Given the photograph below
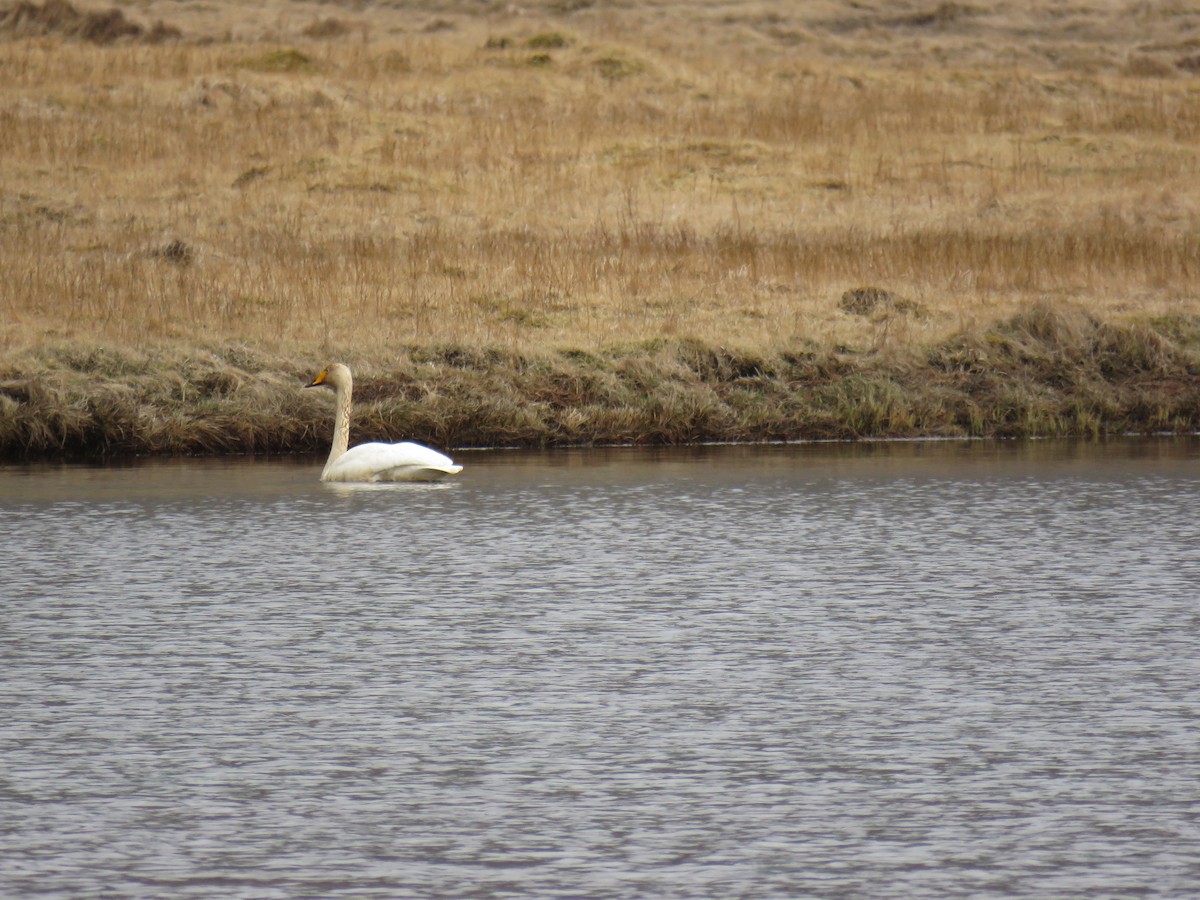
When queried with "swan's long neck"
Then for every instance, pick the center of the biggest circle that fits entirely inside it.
(341, 425)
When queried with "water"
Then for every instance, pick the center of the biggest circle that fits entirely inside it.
(889, 670)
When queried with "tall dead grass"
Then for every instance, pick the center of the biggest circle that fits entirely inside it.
(505, 182)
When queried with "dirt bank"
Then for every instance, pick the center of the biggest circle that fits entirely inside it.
(1044, 372)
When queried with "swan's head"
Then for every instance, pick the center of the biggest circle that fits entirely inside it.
(334, 376)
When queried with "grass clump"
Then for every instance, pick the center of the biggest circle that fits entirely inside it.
(548, 40)
(327, 28)
(283, 60)
(617, 66)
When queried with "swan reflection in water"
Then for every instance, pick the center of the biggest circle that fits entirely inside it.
(374, 462)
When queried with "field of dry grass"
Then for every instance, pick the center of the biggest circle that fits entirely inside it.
(373, 181)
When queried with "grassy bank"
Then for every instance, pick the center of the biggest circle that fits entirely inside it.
(571, 221)
(1044, 372)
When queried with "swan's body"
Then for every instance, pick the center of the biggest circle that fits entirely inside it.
(405, 461)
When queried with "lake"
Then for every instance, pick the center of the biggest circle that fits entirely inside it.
(898, 669)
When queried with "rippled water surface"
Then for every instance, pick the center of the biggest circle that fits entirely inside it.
(889, 670)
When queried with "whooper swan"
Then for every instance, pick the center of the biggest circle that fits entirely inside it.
(405, 461)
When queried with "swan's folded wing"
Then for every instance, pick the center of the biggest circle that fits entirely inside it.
(405, 461)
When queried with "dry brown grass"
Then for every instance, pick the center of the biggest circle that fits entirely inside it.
(317, 180)
(1047, 371)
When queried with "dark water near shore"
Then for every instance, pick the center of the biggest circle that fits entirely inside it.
(885, 670)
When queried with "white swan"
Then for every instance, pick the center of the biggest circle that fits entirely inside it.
(405, 461)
